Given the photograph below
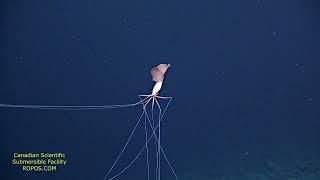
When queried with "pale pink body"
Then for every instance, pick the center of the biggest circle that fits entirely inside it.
(158, 76)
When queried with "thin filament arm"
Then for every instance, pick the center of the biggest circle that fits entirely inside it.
(71, 107)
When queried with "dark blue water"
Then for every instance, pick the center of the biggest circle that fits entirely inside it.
(244, 81)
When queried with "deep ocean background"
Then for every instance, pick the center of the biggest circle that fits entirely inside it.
(244, 80)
